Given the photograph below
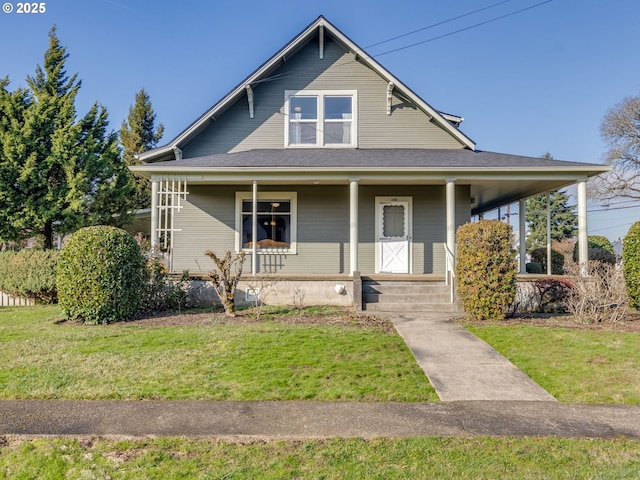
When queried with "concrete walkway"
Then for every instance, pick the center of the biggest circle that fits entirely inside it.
(459, 365)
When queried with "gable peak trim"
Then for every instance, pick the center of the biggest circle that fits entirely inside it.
(323, 27)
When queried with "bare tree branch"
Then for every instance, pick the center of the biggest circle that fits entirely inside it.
(620, 128)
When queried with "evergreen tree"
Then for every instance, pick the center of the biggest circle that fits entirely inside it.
(12, 109)
(57, 173)
(137, 134)
(564, 221)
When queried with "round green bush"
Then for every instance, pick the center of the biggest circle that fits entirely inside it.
(533, 267)
(602, 256)
(539, 256)
(99, 275)
(598, 247)
(631, 262)
(486, 269)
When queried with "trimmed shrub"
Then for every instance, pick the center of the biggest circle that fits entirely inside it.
(100, 276)
(602, 256)
(539, 256)
(631, 262)
(600, 250)
(29, 274)
(599, 241)
(486, 269)
(533, 267)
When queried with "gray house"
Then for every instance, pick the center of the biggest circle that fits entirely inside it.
(326, 169)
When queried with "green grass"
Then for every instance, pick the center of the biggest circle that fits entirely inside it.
(412, 458)
(573, 365)
(261, 361)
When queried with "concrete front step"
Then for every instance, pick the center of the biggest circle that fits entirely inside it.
(405, 289)
(407, 296)
(413, 307)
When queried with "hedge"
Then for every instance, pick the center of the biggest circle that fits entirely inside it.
(29, 274)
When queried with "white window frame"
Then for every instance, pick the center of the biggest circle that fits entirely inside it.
(292, 198)
(320, 94)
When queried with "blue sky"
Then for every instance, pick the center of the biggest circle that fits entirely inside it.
(533, 82)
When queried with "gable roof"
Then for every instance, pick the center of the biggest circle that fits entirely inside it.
(445, 121)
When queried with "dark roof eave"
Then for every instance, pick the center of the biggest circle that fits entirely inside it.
(367, 160)
(390, 172)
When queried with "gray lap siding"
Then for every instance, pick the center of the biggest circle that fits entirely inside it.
(406, 127)
(208, 222)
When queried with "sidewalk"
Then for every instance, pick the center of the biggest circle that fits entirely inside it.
(300, 419)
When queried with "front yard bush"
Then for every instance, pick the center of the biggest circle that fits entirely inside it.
(29, 274)
(599, 249)
(533, 267)
(631, 264)
(100, 276)
(160, 292)
(486, 269)
(539, 256)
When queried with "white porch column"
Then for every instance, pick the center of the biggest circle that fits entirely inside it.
(583, 239)
(254, 228)
(522, 208)
(353, 225)
(450, 194)
(155, 239)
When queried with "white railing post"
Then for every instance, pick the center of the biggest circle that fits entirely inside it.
(353, 225)
(450, 273)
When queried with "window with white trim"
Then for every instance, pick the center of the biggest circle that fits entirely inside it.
(320, 118)
(276, 229)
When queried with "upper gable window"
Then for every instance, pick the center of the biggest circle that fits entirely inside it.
(320, 118)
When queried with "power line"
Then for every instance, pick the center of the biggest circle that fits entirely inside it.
(614, 208)
(609, 228)
(463, 29)
(622, 202)
(436, 24)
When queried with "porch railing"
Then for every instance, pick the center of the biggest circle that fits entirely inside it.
(450, 273)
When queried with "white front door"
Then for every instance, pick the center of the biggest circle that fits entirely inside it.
(393, 234)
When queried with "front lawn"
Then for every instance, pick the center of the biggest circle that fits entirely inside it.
(589, 364)
(211, 359)
(338, 458)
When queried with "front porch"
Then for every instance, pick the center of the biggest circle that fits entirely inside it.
(330, 227)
